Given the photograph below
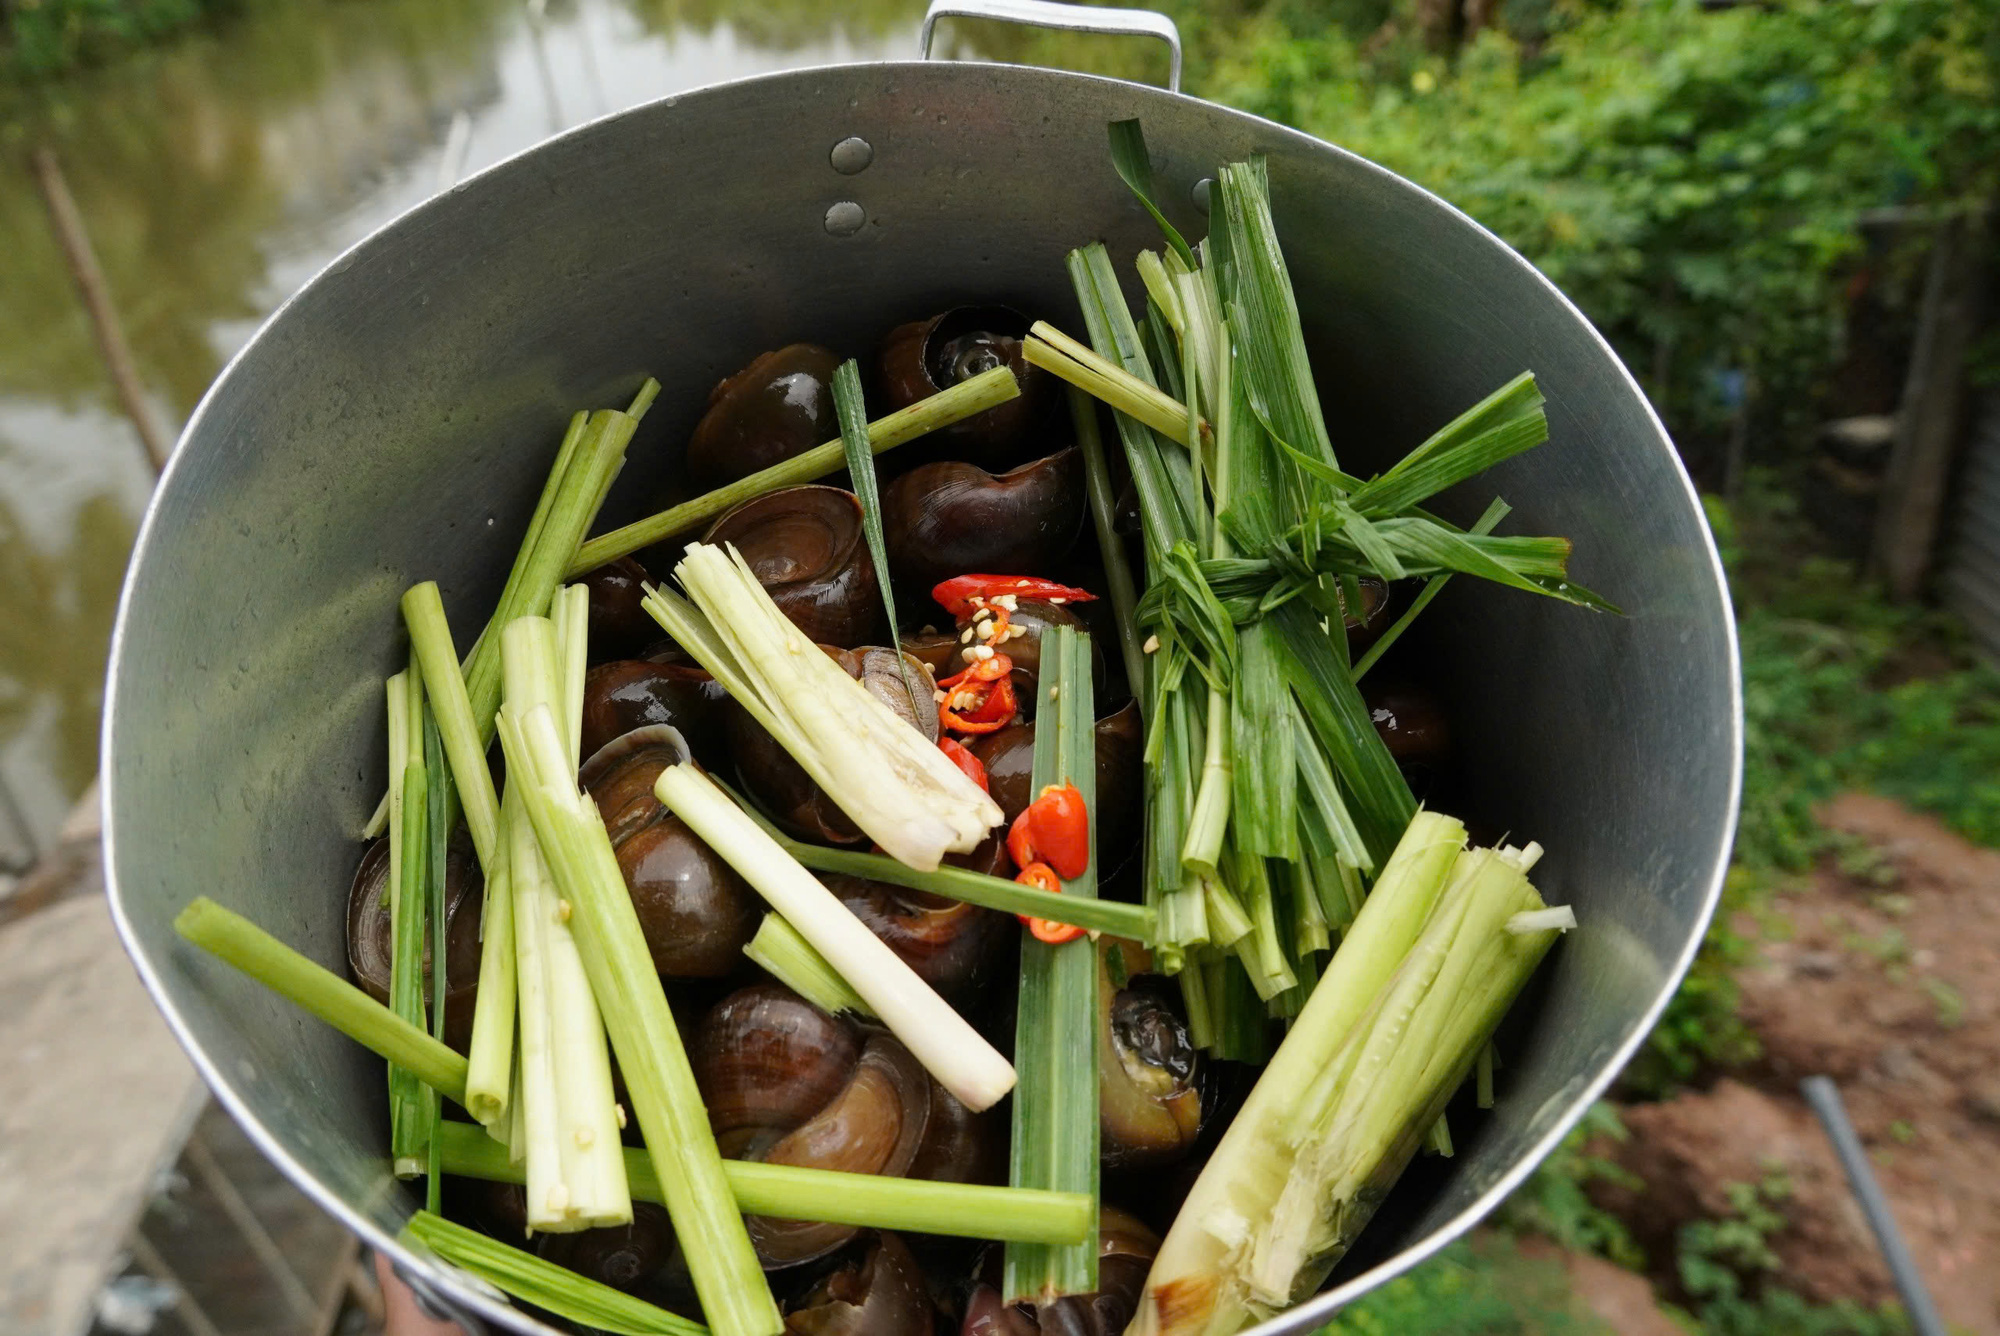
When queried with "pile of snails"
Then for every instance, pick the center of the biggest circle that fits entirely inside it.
(999, 493)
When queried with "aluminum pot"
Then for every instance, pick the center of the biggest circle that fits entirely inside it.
(393, 421)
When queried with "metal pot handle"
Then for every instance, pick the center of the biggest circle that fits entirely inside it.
(1064, 17)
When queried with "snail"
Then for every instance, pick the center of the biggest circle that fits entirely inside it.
(625, 694)
(944, 519)
(779, 406)
(696, 912)
(879, 1293)
(369, 945)
(925, 356)
(806, 547)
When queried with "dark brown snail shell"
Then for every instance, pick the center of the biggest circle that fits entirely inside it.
(1125, 1252)
(786, 1083)
(956, 948)
(1009, 758)
(807, 548)
(925, 356)
(619, 622)
(635, 1258)
(954, 518)
(368, 935)
(880, 1293)
(779, 406)
(1366, 623)
(696, 912)
(781, 785)
(1148, 1087)
(636, 693)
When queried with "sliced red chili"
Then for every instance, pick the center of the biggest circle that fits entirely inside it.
(957, 594)
(961, 756)
(980, 670)
(1043, 877)
(983, 707)
(1021, 843)
(1059, 827)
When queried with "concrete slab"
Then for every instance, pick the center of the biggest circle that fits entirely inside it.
(96, 1099)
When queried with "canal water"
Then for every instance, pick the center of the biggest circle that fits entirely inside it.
(216, 175)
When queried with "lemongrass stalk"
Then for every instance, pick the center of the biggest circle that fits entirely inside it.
(1485, 1076)
(870, 1201)
(238, 942)
(1556, 918)
(891, 780)
(938, 1037)
(1438, 1140)
(1160, 287)
(1227, 923)
(1262, 954)
(1054, 1143)
(406, 929)
(441, 808)
(1251, 1165)
(569, 615)
(575, 1179)
(1210, 819)
(721, 1261)
(788, 957)
(1118, 580)
(975, 395)
(1134, 922)
(1059, 354)
(544, 1284)
(493, 1015)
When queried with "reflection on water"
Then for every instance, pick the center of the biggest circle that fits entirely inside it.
(219, 174)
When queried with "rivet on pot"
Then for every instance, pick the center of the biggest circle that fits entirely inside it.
(1201, 192)
(852, 155)
(845, 219)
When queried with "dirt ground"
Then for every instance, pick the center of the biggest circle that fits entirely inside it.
(1881, 970)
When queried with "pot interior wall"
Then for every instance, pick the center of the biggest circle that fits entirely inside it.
(393, 423)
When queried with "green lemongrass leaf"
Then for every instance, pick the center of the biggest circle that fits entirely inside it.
(407, 916)
(1496, 511)
(869, 1201)
(1328, 810)
(1272, 335)
(1158, 339)
(1161, 472)
(1135, 167)
(1265, 773)
(853, 416)
(1535, 565)
(1163, 301)
(1195, 611)
(1118, 580)
(1396, 493)
(1379, 796)
(544, 1284)
(1054, 1145)
(1518, 399)
(986, 390)
(784, 953)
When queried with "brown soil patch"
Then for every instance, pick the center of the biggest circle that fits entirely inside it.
(1886, 978)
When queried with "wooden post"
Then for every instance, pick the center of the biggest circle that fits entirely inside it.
(67, 224)
(1909, 514)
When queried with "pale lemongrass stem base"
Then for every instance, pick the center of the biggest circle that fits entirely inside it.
(938, 1037)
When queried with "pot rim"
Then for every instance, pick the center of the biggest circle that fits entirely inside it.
(468, 1299)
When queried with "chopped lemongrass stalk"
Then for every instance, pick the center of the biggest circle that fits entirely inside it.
(236, 941)
(1227, 922)
(1118, 919)
(544, 1284)
(871, 1201)
(491, 1084)
(569, 616)
(1054, 1146)
(1556, 918)
(1056, 352)
(1484, 1074)
(786, 1192)
(790, 959)
(891, 780)
(1210, 818)
(986, 390)
(407, 1132)
(441, 809)
(575, 1181)
(938, 1037)
(721, 1261)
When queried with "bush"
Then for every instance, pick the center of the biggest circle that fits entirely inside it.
(44, 37)
(1693, 179)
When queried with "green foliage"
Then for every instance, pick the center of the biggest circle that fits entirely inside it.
(1555, 1203)
(1693, 179)
(44, 37)
(1723, 1266)
(1480, 1288)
